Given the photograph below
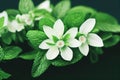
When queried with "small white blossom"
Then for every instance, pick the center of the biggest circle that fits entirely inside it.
(25, 18)
(59, 43)
(45, 5)
(88, 38)
(5, 16)
(15, 26)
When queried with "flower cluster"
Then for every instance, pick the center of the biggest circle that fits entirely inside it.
(59, 43)
(20, 21)
(17, 24)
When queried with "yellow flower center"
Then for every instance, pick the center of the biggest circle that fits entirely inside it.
(82, 39)
(60, 43)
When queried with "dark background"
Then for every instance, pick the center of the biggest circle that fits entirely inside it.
(108, 67)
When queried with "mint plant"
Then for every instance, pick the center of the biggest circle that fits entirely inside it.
(56, 35)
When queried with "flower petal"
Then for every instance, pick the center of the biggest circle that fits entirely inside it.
(67, 54)
(73, 32)
(74, 43)
(5, 15)
(59, 28)
(44, 44)
(45, 5)
(27, 19)
(17, 26)
(52, 53)
(11, 28)
(20, 27)
(84, 49)
(19, 17)
(48, 31)
(87, 26)
(95, 40)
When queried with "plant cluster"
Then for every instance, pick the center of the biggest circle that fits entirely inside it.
(57, 35)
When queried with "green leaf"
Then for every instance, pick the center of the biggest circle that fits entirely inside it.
(11, 52)
(51, 44)
(13, 36)
(112, 41)
(1, 53)
(107, 23)
(1, 22)
(94, 52)
(20, 37)
(61, 8)
(55, 39)
(36, 37)
(66, 37)
(99, 51)
(40, 65)
(105, 27)
(12, 13)
(105, 18)
(4, 75)
(40, 13)
(95, 30)
(105, 35)
(83, 9)
(25, 6)
(60, 62)
(28, 55)
(46, 21)
(6, 38)
(77, 15)
(2, 30)
(94, 57)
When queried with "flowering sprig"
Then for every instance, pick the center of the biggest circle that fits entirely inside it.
(54, 35)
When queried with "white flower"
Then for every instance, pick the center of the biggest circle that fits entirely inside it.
(88, 38)
(5, 16)
(15, 26)
(59, 43)
(25, 18)
(45, 5)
